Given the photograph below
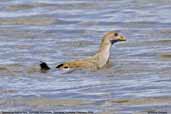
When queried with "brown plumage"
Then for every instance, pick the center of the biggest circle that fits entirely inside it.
(100, 59)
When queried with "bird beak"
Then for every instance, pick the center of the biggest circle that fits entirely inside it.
(122, 38)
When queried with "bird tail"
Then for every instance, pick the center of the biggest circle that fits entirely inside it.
(44, 67)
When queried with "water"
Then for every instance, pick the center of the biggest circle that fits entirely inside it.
(55, 31)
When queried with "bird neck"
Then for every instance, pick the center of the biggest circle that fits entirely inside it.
(104, 52)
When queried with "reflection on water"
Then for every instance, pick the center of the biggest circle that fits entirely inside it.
(57, 31)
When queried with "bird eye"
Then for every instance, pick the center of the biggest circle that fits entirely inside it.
(116, 34)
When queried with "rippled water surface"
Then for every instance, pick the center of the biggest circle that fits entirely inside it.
(59, 30)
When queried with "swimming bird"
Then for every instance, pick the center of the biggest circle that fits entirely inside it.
(95, 62)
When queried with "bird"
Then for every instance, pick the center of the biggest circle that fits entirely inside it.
(95, 62)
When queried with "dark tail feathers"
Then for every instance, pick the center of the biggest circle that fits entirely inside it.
(44, 67)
